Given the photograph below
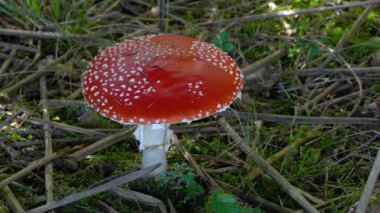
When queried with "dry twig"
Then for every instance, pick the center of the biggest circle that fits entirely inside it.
(7, 62)
(254, 199)
(12, 201)
(33, 165)
(320, 96)
(198, 170)
(304, 120)
(101, 144)
(266, 167)
(108, 208)
(30, 78)
(255, 173)
(18, 47)
(262, 62)
(359, 71)
(96, 190)
(138, 197)
(57, 140)
(49, 180)
(10, 118)
(355, 27)
(369, 186)
(290, 13)
(40, 34)
(66, 127)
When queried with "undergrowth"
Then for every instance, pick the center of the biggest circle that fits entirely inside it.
(332, 163)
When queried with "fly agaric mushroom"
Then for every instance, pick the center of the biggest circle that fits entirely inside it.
(157, 80)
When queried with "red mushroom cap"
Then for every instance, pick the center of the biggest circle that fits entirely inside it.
(158, 79)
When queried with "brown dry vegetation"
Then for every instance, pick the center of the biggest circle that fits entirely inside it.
(310, 109)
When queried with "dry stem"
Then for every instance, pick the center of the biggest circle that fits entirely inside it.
(138, 197)
(285, 13)
(101, 144)
(96, 190)
(369, 186)
(12, 201)
(198, 170)
(49, 180)
(266, 167)
(33, 165)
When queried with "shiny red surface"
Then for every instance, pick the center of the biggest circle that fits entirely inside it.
(168, 79)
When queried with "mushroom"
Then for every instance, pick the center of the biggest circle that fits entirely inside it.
(157, 80)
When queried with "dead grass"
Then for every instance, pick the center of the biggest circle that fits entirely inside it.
(310, 105)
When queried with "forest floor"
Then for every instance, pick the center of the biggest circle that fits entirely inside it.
(308, 116)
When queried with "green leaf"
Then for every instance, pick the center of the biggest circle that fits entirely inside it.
(223, 37)
(193, 190)
(216, 42)
(55, 7)
(12, 15)
(221, 40)
(222, 202)
(228, 47)
(313, 50)
(372, 16)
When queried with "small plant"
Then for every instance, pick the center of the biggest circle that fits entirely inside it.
(55, 9)
(222, 202)
(223, 42)
(35, 6)
(183, 181)
(303, 45)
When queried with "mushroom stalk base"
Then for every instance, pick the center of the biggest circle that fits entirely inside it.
(154, 143)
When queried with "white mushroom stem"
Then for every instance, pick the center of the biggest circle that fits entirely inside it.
(154, 143)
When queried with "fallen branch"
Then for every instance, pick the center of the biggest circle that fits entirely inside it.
(137, 197)
(101, 144)
(57, 140)
(266, 167)
(355, 27)
(268, 59)
(96, 190)
(348, 97)
(327, 91)
(12, 201)
(198, 170)
(38, 34)
(255, 200)
(93, 18)
(371, 181)
(285, 13)
(359, 71)
(66, 103)
(11, 152)
(255, 173)
(7, 62)
(66, 127)
(18, 47)
(33, 165)
(303, 120)
(49, 180)
(106, 207)
(5, 92)
(10, 118)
